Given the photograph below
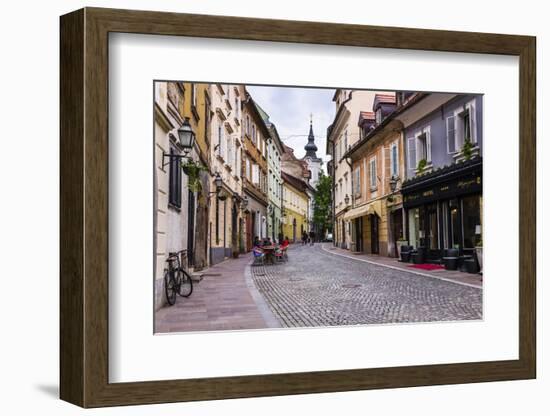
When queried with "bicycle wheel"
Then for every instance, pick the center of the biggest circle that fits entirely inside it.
(170, 287)
(186, 283)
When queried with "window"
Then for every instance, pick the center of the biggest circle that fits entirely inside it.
(174, 189)
(346, 141)
(236, 107)
(346, 184)
(221, 140)
(372, 173)
(236, 163)
(451, 139)
(394, 160)
(357, 182)
(229, 149)
(255, 174)
(465, 125)
(247, 168)
(423, 146)
(378, 115)
(411, 148)
(254, 134)
(194, 95)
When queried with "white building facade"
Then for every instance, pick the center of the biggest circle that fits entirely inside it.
(226, 227)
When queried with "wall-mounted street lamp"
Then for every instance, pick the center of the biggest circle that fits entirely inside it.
(346, 200)
(218, 183)
(186, 137)
(393, 182)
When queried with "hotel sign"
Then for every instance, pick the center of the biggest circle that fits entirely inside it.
(445, 190)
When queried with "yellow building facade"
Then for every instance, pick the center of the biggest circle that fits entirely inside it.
(295, 207)
(376, 213)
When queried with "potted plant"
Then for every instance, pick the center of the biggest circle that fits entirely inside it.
(421, 166)
(467, 149)
(192, 169)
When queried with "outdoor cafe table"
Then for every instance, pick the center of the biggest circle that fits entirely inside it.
(269, 253)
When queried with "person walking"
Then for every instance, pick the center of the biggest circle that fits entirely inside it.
(312, 237)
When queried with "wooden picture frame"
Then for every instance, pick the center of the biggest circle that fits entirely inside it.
(84, 207)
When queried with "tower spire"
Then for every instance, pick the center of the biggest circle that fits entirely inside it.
(310, 147)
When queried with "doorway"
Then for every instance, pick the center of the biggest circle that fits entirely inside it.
(374, 239)
(359, 247)
(396, 229)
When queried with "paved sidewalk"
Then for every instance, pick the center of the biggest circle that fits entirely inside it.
(453, 276)
(225, 299)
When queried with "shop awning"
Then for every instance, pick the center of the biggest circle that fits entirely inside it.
(371, 208)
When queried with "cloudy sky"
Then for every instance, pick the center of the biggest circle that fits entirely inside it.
(290, 108)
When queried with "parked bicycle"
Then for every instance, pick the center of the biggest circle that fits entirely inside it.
(176, 279)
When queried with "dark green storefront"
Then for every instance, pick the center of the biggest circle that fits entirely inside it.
(444, 209)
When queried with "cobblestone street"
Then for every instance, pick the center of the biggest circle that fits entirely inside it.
(319, 288)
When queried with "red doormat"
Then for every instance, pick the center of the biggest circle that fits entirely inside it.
(427, 266)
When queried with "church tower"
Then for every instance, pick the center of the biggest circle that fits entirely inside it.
(313, 162)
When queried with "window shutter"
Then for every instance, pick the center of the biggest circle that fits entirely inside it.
(174, 179)
(451, 145)
(397, 160)
(418, 149)
(472, 110)
(428, 145)
(412, 152)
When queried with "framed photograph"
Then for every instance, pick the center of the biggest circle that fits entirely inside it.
(256, 207)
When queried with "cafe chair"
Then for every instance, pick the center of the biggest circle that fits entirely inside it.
(259, 257)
